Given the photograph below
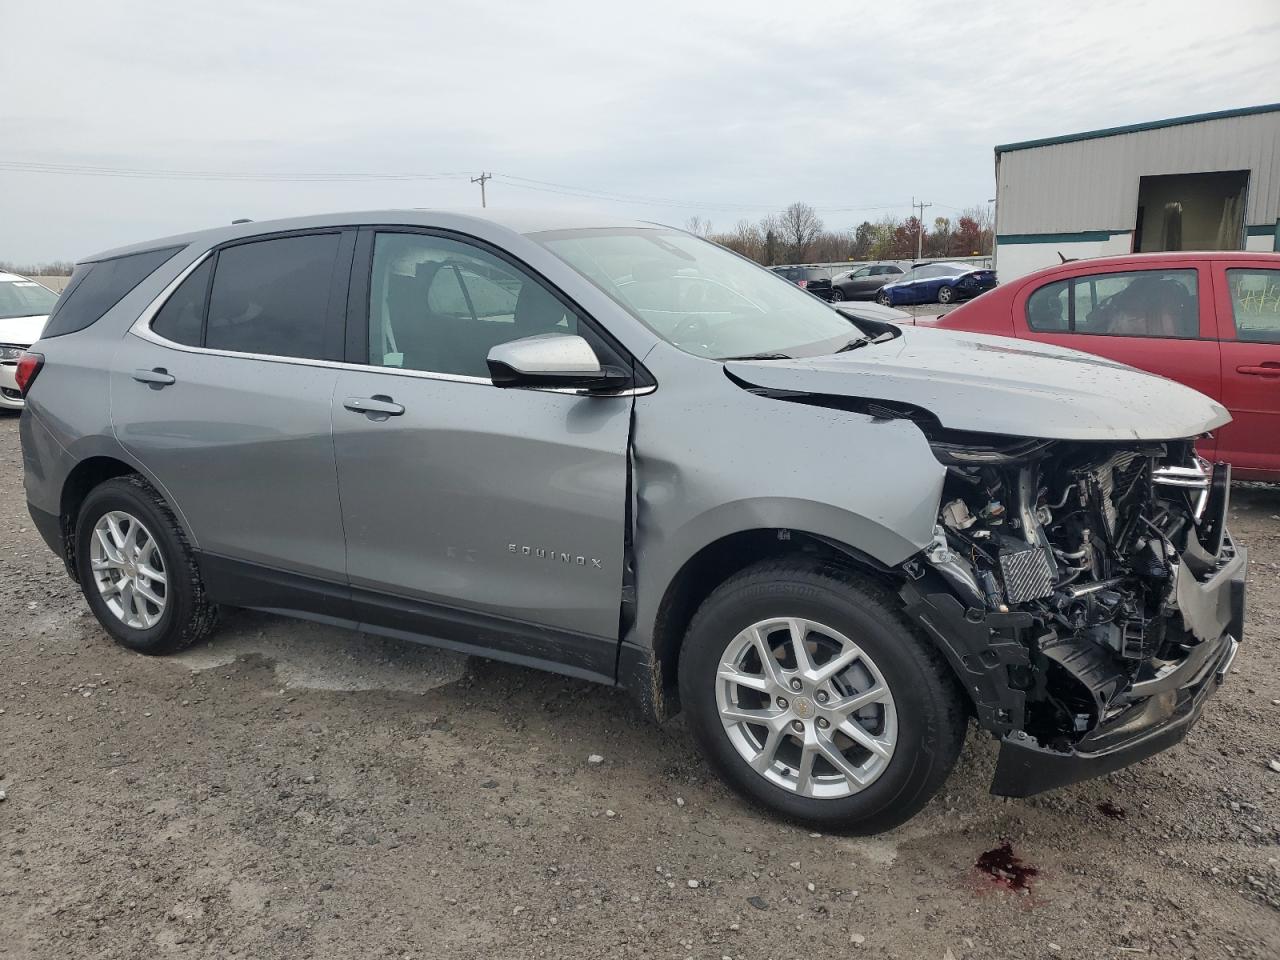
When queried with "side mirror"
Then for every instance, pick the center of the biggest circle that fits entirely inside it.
(552, 360)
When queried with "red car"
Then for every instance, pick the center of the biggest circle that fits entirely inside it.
(1209, 320)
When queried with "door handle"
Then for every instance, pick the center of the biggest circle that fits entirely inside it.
(378, 407)
(156, 378)
(1263, 370)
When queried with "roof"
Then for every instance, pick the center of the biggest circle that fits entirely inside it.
(515, 220)
(1138, 127)
(1258, 259)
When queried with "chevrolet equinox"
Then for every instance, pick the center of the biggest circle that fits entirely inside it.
(625, 454)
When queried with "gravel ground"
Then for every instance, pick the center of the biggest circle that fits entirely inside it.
(294, 791)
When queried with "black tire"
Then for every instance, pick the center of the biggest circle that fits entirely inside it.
(882, 298)
(188, 615)
(931, 717)
(836, 295)
(946, 294)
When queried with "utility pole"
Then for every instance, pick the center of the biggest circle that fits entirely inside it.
(482, 179)
(919, 225)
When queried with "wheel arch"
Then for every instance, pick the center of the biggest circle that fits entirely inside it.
(91, 472)
(714, 563)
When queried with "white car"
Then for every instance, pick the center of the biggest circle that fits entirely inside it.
(24, 307)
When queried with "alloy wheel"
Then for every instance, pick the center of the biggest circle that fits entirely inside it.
(128, 570)
(806, 708)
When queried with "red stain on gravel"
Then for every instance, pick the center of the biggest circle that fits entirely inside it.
(1107, 808)
(1003, 867)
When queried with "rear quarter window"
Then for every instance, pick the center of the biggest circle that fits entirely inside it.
(98, 286)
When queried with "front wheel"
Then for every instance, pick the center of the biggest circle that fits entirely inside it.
(836, 295)
(946, 295)
(882, 298)
(812, 696)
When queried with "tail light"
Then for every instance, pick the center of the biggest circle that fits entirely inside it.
(802, 283)
(29, 365)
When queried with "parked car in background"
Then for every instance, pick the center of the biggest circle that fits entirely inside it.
(1209, 320)
(813, 279)
(936, 283)
(829, 540)
(24, 308)
(865, 282)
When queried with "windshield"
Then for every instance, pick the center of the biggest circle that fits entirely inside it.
(698, 296)
(25, 298)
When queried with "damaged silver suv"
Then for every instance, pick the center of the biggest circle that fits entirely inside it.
(619, 452)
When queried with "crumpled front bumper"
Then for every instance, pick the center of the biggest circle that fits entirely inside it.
(1161, 709)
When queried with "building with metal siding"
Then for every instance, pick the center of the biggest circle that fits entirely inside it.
(1210, 181)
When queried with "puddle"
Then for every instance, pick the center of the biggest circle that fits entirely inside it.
(314, 656)
(1003, 867)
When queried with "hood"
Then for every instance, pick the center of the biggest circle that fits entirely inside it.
(21, 331)
(988, 384)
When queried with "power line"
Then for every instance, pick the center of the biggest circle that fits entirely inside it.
(543, 186)
(522, 183)
(86, 170)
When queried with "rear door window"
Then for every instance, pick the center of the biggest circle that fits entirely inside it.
(97, 287)
(1141, 303)
(1255, 304)
(271, 297)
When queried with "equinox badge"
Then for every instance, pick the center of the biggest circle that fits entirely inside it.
(542, 553)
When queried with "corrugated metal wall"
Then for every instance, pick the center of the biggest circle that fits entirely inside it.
(1093, 184)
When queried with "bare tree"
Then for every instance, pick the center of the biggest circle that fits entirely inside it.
(698, 226)
(938, 240)
(797, 235)
(801, 227)
(745, 239)
(55, 268)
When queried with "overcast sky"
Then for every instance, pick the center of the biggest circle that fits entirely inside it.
(723, 110)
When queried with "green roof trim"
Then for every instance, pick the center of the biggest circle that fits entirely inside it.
(1265, 230)
(1138, 127)
(1084, 236)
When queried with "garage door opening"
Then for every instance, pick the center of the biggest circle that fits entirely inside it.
(1191, 211)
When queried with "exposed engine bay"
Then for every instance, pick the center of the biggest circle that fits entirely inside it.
(1083, 559)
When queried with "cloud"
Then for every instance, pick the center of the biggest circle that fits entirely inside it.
(728, 108)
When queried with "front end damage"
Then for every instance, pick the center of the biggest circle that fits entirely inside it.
(1087, 594)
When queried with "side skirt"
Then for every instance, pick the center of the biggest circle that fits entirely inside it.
(239, 583)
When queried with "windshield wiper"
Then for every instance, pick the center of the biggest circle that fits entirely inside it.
(865, 341)
(760, 356)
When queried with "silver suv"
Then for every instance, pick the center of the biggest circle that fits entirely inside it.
(620, 452)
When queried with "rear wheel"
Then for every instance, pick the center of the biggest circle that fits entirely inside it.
(812, 696)
(137, 571)
(946, 294)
